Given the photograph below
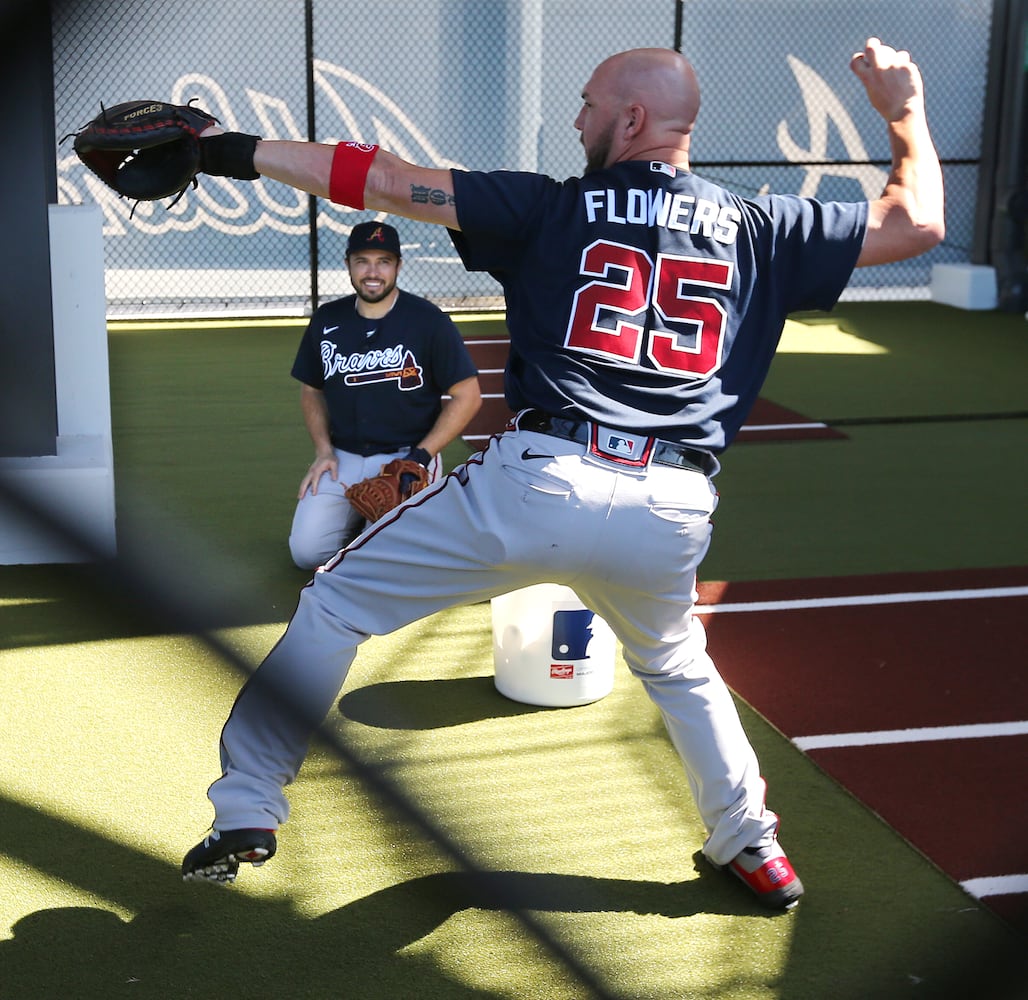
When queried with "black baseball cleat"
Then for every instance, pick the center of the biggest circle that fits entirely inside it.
(218, 856)
(769, 875)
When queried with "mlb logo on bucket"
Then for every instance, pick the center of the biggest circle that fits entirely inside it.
(572, 633)
(562, 671)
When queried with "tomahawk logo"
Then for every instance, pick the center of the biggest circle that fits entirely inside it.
(407, 375)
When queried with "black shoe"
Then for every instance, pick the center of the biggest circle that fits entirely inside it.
(769, 876)
(217, 857)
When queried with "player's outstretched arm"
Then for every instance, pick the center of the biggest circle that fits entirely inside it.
(391, 184)
(908, 219)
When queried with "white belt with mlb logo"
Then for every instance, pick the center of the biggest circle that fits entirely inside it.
(613, 444)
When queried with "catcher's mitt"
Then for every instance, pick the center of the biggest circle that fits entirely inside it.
(144, 150)
(399, 479)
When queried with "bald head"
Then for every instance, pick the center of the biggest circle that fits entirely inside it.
(639, 104)
(662, 81)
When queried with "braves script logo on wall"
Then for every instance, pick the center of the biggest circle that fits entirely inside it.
(243, 207)
(240, 208)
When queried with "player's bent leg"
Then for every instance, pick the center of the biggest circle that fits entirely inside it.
(423, 557)
(647, 599)
(266, 737)
(704, 726)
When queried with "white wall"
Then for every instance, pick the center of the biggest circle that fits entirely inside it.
(75, 486)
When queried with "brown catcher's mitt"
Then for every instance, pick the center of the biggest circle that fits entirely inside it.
(399, 479)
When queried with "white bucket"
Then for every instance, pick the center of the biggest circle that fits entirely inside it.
(549, 649)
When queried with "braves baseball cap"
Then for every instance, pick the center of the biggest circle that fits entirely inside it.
(373, 236)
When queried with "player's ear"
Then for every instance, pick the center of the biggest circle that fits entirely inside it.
(635, 118)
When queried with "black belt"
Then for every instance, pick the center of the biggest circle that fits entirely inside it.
(645, 450)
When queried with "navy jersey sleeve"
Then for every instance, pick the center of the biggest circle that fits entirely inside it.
(502, 213)
(816, 244)
(307, 367)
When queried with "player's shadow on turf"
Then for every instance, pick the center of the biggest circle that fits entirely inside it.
(197, 939)
(435, 704)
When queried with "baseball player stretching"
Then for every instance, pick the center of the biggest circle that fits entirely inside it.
(644, 306)
(374, 368)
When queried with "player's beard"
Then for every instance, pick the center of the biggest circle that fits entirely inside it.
(597, 154)
(384, 293)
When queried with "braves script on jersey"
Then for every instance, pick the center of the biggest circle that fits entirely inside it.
(681, 292)
(382, 378)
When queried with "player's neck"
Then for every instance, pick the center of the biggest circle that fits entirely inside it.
(676, 153)
(376, 310)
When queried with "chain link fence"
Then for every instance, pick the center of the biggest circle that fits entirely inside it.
(484, 84)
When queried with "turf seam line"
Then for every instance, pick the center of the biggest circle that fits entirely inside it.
(934, 418)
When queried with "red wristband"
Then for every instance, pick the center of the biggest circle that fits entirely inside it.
(350, 165)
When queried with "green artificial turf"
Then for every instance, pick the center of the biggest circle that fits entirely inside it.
(579, 818)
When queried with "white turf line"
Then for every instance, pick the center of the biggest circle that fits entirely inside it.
(805, 426)
(996, 885)
(922, 735)
(800, 604)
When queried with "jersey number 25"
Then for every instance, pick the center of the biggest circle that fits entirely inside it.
(608, 313)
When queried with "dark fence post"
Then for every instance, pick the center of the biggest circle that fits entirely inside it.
(1002, 213)
(28, 388)
(312, 201)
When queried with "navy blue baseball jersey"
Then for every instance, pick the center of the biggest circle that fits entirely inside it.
(668, 320)
(382, 378)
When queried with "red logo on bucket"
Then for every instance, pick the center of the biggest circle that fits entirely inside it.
(562, 671)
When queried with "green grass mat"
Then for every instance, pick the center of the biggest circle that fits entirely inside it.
(112, 719)
(582, 814)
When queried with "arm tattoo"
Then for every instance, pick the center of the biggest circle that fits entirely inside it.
(421, 195)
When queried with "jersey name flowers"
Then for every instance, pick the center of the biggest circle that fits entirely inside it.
(683, 212)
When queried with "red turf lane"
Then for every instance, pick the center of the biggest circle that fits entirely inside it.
(894, 666)
(788, 425)
(961, 802)
(859, 669)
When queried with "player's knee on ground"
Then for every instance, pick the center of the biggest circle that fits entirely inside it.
(310, 553)
(307, 555)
